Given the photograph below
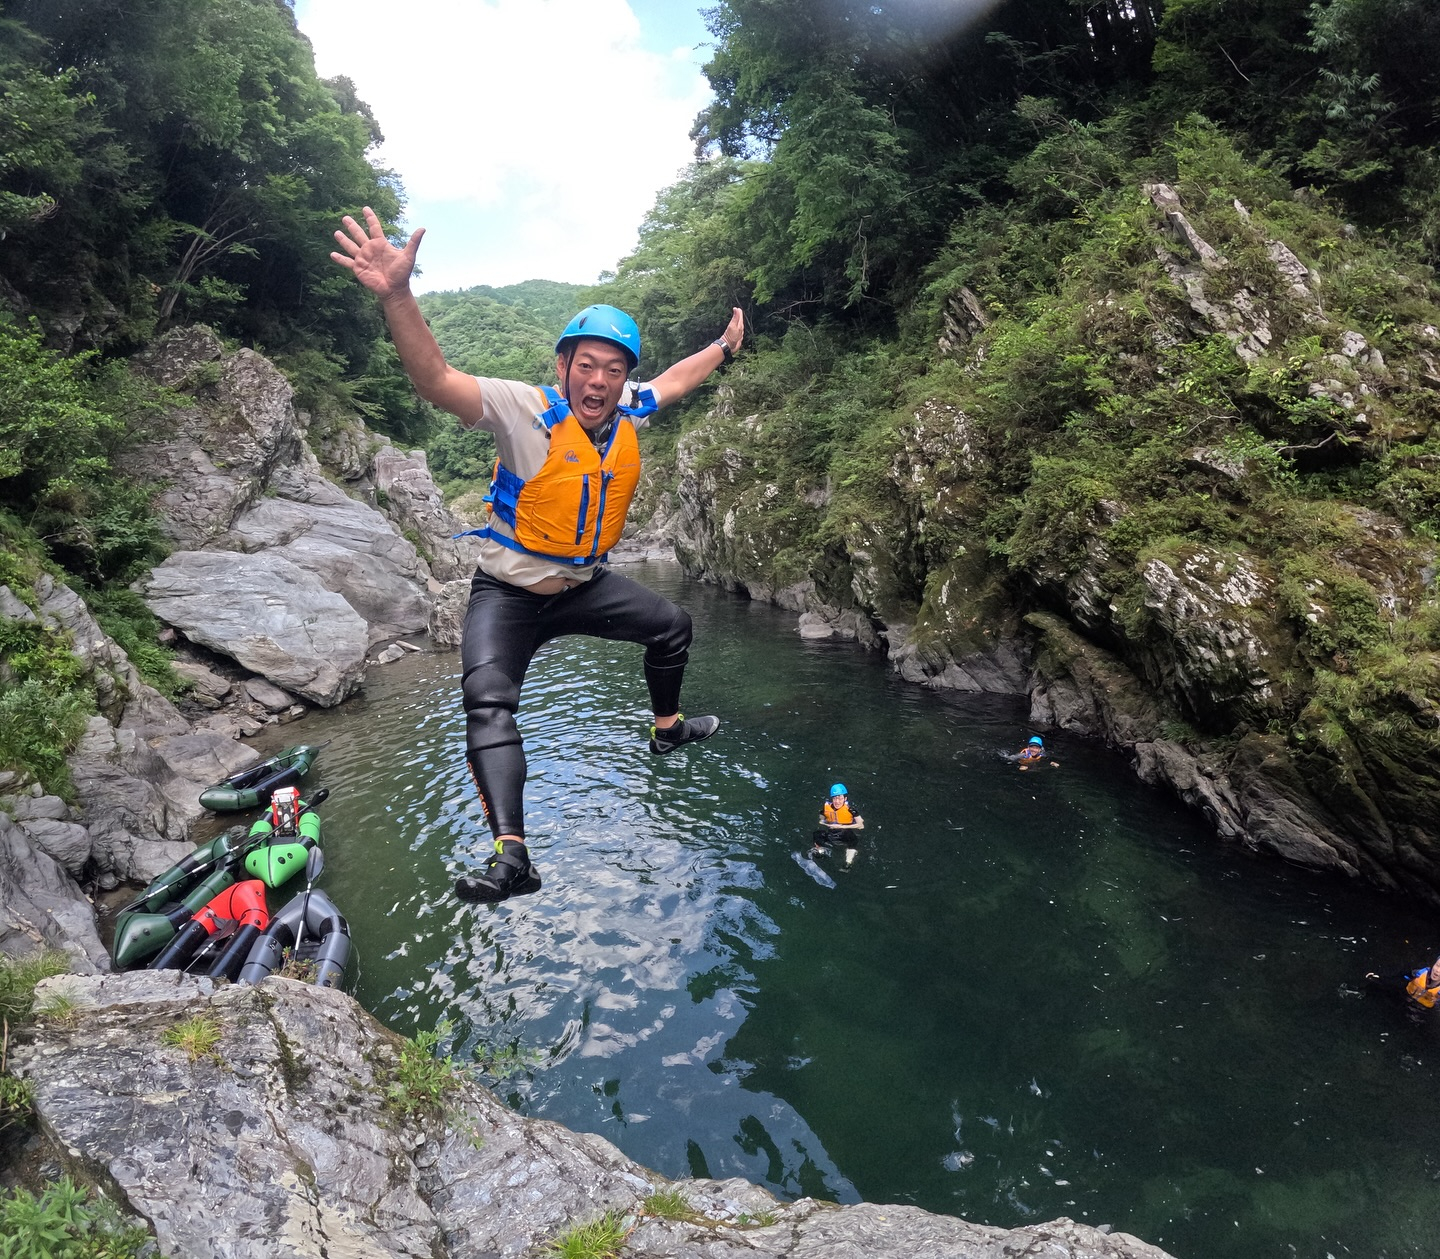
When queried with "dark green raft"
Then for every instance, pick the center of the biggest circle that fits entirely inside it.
(253, 787)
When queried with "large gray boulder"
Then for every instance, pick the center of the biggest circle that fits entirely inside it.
(447, 617)
(137, 829)
(41, 907)
(220, 448)
(66, 841)
(280, 1142)
(413, 500)
(273, 617)
(350, 547)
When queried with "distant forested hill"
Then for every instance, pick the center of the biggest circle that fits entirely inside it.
(508, 332)
(548, 301)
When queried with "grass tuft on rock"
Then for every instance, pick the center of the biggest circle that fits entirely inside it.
(197, 1037)
(421, 1081)
(599, 1239)
(18, 977)
(668, 1204)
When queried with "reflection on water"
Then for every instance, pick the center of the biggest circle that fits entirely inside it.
(1036, 994)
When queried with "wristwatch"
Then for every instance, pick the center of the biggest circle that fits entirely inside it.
(726, 350)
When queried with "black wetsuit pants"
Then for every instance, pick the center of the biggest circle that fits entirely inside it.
(505, 626)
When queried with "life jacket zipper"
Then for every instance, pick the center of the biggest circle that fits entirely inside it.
(584, 508)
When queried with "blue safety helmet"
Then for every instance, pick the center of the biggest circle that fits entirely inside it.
(839, 790)
(604, 323)
(1037, 741)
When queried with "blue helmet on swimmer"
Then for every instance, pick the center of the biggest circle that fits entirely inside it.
(839, 790)
(603, 323)
(1036, 741)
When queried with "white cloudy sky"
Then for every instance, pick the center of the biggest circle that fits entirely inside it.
(531, 135)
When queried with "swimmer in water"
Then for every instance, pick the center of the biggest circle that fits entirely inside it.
(838, 823)
(1033, 753)
(1421, 986)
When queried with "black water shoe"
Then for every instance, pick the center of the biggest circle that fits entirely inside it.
(507, 873)
(685, 730)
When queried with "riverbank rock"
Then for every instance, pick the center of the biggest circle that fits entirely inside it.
(138, 770)
(137, 830)
(220, 447)
(236, 474)
(1258, 565)
(411, 498)
(50, 826)
(41, 907)
(447, 617)
(1251, 791)
(268, 614)
(351, 548)
(280, 1141)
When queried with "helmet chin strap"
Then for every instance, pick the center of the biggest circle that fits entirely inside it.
(569, 363)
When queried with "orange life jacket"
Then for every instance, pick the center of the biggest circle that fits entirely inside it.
(573, 510)
(842, 816)
(1419, 988)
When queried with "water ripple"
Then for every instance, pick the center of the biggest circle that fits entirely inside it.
(682, 987)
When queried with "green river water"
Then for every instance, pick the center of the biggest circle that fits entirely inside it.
(1036, 994)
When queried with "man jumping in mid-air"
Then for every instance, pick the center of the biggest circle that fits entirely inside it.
(569, 464)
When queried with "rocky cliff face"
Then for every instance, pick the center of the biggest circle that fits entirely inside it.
(137, 774)
(1258, 646)
(282, 583)
(292, 1133)
(292, 571)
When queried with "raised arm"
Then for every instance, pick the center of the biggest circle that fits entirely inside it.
(385, 271)
(683, 377)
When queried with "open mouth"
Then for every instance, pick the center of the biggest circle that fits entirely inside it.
(592, 406)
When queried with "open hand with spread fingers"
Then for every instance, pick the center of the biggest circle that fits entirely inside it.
(734, 332)
(374, 261)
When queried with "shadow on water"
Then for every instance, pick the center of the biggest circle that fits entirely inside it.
(1036, 994)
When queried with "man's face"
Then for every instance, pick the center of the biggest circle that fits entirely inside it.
(838, 801)
(597, 375)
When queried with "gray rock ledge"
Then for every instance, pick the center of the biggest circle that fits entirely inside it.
(268, 614)
(280, 1144)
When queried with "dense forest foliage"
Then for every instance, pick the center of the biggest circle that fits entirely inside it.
(161, 162)
(851, 144)
(179, 161)
(973, 345)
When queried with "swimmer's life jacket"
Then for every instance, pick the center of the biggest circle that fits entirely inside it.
(1419, 989)
(842, 816)
(573, 510)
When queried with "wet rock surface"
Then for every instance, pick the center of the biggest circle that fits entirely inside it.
(280, 1141)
